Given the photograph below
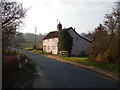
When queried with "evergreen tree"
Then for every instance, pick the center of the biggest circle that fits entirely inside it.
(99, 44)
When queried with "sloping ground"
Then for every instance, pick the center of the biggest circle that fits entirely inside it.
(15, 77)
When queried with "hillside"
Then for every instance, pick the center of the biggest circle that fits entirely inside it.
(26, 40)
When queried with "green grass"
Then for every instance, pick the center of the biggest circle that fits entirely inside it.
(114, 68)
(40, 52)
(27, 48)
(34, 50)
(37, 51)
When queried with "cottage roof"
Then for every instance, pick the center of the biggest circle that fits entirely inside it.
(53, 34)
(82, 37)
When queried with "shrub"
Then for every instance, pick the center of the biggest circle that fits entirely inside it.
(10, 63)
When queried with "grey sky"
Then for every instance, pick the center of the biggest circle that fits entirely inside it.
(83, 15)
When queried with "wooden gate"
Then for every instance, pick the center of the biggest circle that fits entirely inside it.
(64, 53)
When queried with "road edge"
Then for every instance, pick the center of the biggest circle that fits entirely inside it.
(92, 68)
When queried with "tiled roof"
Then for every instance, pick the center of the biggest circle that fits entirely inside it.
(53, 34)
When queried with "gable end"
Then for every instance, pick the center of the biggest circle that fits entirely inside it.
(81, 36)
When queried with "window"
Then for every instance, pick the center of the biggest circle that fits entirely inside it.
(48, 47)
(45, 46)
(53, 47)
(77, 38)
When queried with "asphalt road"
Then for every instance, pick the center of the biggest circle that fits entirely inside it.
(57, 74)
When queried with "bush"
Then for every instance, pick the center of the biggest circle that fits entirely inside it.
(9, 63)
(13, 76)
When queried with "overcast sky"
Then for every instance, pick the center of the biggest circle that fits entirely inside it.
(83, 15)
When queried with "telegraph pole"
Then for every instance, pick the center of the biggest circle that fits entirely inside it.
(35, 37)
(57, 21)
(118, 18)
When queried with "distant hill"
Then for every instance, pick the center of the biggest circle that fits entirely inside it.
(30, 37)
(26, 40)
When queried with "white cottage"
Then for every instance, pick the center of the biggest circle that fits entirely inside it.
(50, 42)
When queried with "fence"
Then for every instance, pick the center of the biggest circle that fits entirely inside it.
(64, 53)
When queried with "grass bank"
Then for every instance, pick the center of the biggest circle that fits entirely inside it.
(12, 75)
(113, 68)
(110, 67)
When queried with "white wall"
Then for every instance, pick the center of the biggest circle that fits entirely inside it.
(79, 43)
(50, 45)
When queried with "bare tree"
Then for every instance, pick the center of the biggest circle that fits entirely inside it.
(106, 43)
(112, 24)
(12, 14)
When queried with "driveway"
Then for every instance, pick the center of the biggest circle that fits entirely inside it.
(56, 74)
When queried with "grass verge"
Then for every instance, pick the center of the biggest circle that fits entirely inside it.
(112, 68)
(12, 75)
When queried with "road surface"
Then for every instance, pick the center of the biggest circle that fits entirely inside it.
(57, 74)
